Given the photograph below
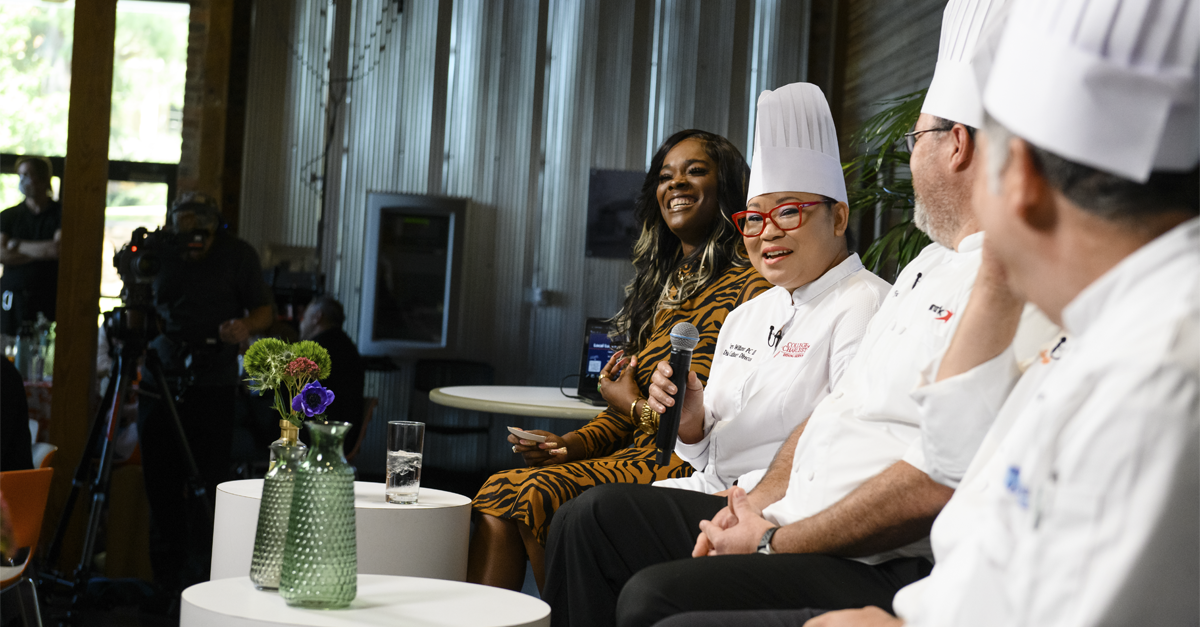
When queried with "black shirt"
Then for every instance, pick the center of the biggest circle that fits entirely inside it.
(346, 378)
(36, 281)
(16, 451)
(194, 297)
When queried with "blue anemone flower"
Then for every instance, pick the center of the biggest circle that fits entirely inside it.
(313, 399)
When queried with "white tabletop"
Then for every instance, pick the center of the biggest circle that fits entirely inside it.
(541, 402)
(426, 539)
(381, 600)
(367, 495)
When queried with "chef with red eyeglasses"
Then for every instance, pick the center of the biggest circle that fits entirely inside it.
(778, 355)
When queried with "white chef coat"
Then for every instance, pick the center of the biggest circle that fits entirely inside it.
(762, 386)
(974, 397)
(1095, 517)
(870, 422)
(950, 438)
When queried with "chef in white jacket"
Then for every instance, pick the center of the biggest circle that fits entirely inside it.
(778, 355)
(1090, 511)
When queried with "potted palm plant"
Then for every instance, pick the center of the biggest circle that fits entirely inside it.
(880, 184)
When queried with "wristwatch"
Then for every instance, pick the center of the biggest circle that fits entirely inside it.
(764, 545)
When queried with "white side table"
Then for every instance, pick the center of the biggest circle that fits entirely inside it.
(428, 539)
(520, 400)
(381, 600)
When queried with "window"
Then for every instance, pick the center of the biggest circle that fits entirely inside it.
(149, 70)
(149, 67)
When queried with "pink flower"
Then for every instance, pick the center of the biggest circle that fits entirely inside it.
(302, 367)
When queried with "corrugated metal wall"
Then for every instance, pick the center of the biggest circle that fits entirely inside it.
(509, 103)
(285, 130)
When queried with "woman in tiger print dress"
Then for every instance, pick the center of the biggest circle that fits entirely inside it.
(691, 267)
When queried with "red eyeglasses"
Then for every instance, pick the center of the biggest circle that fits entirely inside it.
(786, 217)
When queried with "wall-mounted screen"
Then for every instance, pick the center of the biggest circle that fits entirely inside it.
(413, 260)
(612, 226)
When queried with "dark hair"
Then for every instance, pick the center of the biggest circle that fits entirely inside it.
(40, 164)
(1115, 198)
(944, 125)
(1101, 194)
(658, 256)
(331, 310)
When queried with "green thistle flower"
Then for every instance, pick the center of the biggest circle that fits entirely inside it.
(262, 364)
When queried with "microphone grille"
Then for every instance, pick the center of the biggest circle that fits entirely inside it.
(684, 336)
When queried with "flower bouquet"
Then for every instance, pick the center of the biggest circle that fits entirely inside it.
(306, 544)
(290, 371)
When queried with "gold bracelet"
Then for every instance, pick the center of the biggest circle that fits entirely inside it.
(633, 408)
(648, 423)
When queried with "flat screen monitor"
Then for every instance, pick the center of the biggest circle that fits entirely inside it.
(410, 274)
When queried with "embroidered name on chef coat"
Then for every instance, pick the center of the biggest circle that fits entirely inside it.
(738, 351)
(792, 349)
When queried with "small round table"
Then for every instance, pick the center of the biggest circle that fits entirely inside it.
(427, 539)
(381, 600)
(520, 400)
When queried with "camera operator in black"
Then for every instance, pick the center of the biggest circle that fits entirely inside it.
(210, 297)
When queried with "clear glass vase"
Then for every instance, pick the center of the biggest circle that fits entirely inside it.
(320, 560)
(276, 506)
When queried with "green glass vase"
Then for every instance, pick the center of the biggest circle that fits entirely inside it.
(276, 506)
(320, 561)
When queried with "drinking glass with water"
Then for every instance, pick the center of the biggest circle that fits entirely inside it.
(405, 441)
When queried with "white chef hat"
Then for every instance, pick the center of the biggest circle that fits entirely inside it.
(954, 94)
(1110, 84)
(795, 144)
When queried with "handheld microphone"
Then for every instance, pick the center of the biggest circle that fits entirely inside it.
(684, 338)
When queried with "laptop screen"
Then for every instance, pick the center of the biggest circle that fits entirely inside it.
(597, 349)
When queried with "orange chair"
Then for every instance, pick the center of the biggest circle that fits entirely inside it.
(25, 492)
(43, 454)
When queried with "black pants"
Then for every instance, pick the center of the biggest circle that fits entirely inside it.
(742, 618)
(180, 531)
(601, 541)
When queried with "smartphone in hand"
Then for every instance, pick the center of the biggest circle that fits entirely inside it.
(525, 435)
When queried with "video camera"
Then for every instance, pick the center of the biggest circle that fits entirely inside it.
(140, 260)
(138, 263)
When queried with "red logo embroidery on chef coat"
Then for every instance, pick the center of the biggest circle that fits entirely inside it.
(943, 313)
(793, 349)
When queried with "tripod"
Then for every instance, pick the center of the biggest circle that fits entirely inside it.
(129, 327)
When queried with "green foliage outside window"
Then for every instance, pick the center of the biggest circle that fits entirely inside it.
(149, 67)
(35, 78)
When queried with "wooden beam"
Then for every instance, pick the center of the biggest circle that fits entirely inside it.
(242, 15)
(82, 242)
(206, 100)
